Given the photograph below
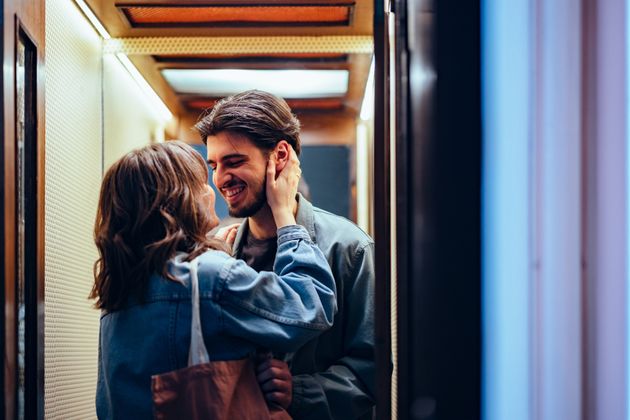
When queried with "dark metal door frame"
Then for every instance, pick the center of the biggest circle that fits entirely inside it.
(438, 199)
(382, 219)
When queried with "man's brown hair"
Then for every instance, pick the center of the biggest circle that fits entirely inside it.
(149, 209)
(262, 117)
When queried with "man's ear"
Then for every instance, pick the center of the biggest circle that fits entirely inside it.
(281, 153)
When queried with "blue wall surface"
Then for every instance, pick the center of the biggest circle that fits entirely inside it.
(326, 171)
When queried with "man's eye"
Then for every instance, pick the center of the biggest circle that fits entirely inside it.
(235, 163)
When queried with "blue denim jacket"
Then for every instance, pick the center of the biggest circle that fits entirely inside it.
(240, 311)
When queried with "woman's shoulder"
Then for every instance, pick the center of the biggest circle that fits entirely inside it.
(210, 265)
(213, 261)
(213, 267)
(209, 261)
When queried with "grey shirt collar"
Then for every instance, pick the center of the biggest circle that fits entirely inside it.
(303, 217)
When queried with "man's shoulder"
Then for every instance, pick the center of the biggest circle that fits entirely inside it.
(334, 229)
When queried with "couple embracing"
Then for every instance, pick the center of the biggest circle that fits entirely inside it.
(292, 278)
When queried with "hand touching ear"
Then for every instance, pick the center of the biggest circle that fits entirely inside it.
(281, 154)
(282, 188)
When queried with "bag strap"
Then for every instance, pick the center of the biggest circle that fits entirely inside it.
(198, 353)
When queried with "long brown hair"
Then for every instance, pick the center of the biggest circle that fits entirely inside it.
(148, 210)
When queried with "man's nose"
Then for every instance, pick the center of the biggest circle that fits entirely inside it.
(220, 176)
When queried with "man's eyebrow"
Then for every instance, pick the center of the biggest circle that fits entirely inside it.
(227, 157)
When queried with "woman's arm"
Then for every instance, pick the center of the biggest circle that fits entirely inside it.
(284, 309)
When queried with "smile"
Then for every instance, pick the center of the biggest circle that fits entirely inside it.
(231, 192)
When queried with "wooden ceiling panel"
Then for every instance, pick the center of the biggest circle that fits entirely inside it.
(254, 20)
(236, 16)
(278, 59)
(118, 26)
(315, 61)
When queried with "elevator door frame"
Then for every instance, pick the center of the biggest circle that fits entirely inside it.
(438, 208)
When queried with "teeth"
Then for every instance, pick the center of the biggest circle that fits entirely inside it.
(233, 191)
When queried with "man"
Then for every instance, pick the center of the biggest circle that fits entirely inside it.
(333, 375)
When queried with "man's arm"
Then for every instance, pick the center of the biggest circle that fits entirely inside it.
(346, 389)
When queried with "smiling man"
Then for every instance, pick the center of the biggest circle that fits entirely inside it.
(333, 375)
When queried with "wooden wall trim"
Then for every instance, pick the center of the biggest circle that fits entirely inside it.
(28, 16)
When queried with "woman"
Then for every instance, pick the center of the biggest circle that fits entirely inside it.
(154, 212)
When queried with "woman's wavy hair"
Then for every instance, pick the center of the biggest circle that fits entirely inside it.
(149, 209)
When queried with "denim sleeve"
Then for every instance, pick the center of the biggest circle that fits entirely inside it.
(346, 389)
(283, 309)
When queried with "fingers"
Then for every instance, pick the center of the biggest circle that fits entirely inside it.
(293, 159)
(228, 232)
(275, 381)
(293, 156)
(271, 374)
(222, 234)
(291, 173)
(282, 188)
(292, 167)
(271, 170)
(272, 369)
(231, 237)
(275, 385)
(279, 398)
(267, 362)
(293, 163)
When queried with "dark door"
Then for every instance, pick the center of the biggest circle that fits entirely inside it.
(438, 174)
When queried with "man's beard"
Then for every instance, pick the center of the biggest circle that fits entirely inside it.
(260, 199)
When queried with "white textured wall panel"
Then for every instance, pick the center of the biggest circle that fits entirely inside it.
(73, 175)
(130, 118)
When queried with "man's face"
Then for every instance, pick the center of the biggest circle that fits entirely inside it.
(239, 169)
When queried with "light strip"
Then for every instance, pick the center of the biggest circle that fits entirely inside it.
(362, 175)
(627, 373)
(162, 109)
(89, 14)
(367, 107)
(153, 97)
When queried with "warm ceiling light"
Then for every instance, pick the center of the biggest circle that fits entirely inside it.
(240, 15)
(284, 83)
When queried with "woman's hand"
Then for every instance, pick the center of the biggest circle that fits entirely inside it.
(228, 234)
(281, 191)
